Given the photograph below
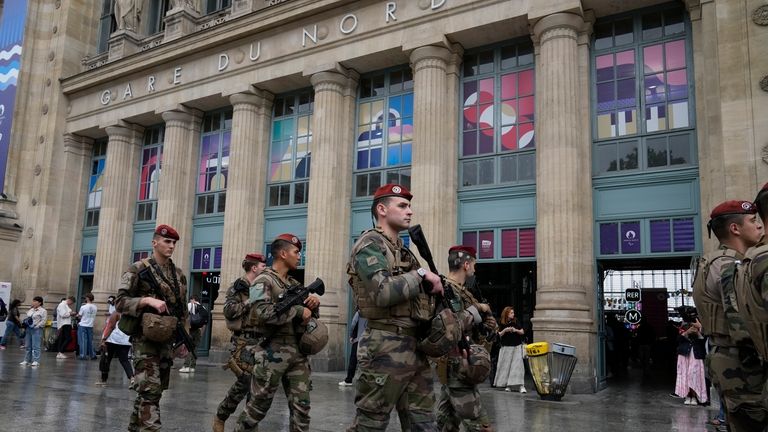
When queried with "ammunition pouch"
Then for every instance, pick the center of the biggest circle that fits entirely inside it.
(158, 328)
(129, 325)
(441, 364)
(477, 368)
(241, 359)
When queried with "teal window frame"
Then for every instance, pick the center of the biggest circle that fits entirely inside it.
(146, 209)
(212, 202)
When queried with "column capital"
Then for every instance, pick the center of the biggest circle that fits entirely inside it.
(567, 21)
(256, 97)
(74, 142)
(430, 52)
(182, 114)
(125, 130)
(334, 81)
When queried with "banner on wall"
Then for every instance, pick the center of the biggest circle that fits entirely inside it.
(5, 302)
(13, 16)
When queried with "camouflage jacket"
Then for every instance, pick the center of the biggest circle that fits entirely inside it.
(468, 315)
(385, 283)
(237, 306)
(714, 308)
(263, 314)
(132, 289)
(750, 289)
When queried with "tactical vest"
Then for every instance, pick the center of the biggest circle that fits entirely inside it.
(750, 297)
(399, 261)
(242, 323)
(140, 288)
(278, 287)
(711, 311)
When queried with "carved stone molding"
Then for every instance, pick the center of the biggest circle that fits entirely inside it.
(764, 84)
(760, 15)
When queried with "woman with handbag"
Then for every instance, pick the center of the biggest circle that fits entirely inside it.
(114, 343)
(35, 322)
(510, 370)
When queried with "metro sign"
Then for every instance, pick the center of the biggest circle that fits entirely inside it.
(633, 316)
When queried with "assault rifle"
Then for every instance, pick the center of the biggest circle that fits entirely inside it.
(296, 295)
(449, 297)
(474, 288)
(181, 335)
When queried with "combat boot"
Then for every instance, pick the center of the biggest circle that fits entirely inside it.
(218, 424)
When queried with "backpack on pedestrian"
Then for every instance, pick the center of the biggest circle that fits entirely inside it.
(199, 317)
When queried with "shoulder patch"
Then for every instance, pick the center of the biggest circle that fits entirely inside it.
(372, 260)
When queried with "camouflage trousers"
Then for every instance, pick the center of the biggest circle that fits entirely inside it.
(197, 336)
(239, 390)
(741, 387)
(280, 363)
(459, 404)
(392, 371)
(152, 366)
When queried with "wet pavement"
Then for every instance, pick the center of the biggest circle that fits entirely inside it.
(61, 395)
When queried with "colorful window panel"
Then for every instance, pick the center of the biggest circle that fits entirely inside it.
(616, 94)
(87, 264)
(93, 204)
(514, 243)
(673, 235)
(138, 256)
(620, 238)
(206, 258)
(384, 130)
(149, 174)
(213, 165)
(665, 86)
(290, 152)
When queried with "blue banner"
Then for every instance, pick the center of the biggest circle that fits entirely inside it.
(12, 20)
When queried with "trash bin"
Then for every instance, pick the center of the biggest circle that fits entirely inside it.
(551, 368)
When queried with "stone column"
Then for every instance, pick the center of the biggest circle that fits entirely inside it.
(176, 194)
(118, 203)
(246, 188)
(565, 299)
(328, 212)
(435, 150)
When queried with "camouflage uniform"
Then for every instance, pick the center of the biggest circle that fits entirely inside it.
(151, 360)
(280, 362)
(237, 308)
(739, 382)
(459, 402)
(388, 293)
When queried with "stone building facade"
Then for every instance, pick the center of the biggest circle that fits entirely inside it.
(559, 134)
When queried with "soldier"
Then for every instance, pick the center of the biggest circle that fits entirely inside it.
(136, 300)
(459, 398)
(277, 359)
(237, 308)
(386, 279)
(737, 228)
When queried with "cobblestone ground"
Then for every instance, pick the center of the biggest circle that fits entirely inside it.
(61, 395)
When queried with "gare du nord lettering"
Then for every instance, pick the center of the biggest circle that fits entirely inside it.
(347, 25)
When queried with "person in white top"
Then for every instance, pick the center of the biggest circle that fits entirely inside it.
(114, 343)
(196, 333)
(64, 315)
(35, 322)
(87, 315)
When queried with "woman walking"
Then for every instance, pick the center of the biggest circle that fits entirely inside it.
(35, 322)
(510, 370)
(114, 343)
(13, 325)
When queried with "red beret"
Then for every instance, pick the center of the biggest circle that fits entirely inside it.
(255, 257)
(391, 189)
(467, 249)
(290, 238)
(733, 207)
(167, 231)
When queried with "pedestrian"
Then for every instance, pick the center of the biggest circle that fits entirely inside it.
(195, 331)
(510, 371)
(35, 322)
(64, 314)
(278, 358)
(690, 383)
(114, 343)
(152, 290)
(245, 337)
(386, 280)
(357, 328)
(87, 316)
(459, 402)
(13, 325)
(110, 306)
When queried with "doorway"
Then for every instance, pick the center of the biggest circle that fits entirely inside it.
(509, 284)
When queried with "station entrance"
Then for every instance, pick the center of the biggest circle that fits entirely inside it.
(509, 284)
(638, 339)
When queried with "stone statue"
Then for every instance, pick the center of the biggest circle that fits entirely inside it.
(128, 14)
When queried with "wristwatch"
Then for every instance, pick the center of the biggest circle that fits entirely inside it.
(422, 272)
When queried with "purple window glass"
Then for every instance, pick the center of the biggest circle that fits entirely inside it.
(660, 236)
(196, 259)
(206, 261)
(677, 82)
(675, 54)
(217, 258)
(84, 264)
(604, 66)
(630, 237)
(509, 243)
(470, 143)
(486, 245)
(625, 64)
(684, 235)
(609, 238)
(652, 59)
(625, 93)
(469, 239)
(605, 96)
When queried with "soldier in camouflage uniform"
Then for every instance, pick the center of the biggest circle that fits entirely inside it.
(386, 279)
(151, 360)
(737, 228)
(237, 308)
(278, 359)
(459, 401)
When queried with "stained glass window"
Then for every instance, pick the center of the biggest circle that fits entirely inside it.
(383, 147)
(213, 166)
(290, 150)
(497, 132)
(149, 174)
(98, 162)
(642, 91)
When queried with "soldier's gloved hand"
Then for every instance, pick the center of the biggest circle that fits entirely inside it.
(312, 301)
(437, 285)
